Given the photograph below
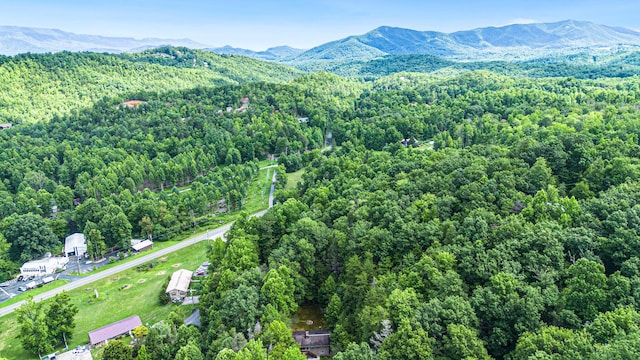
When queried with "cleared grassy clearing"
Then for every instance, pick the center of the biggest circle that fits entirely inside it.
(293, 179)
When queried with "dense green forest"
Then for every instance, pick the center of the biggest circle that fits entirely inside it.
(581, 66)
(474, 215)
(36, 87)
(515, 236)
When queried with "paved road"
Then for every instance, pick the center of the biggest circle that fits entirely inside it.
(211, 234)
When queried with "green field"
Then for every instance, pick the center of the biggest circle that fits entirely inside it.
(128, 293)
(258, 197)
(293, 179)
(158, 245)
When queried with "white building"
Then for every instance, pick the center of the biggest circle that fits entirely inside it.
(75, 244)
(46, 266)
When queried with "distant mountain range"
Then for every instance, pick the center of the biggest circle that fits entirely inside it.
(279, 53)
(16, 40)
(512, 42)
(507, 42)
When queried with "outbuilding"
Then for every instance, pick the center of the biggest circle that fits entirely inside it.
(142, 246)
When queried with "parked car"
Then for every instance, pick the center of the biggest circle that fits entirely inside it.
(22, 288)
(20, 278)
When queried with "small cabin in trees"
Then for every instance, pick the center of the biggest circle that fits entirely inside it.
(314, 342)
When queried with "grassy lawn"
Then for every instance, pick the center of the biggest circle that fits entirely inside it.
(293, 179)
(128, 293)
(156, 246)
(263, 163)
(258, 194)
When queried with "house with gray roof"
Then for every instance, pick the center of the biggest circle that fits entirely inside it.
(314, 342)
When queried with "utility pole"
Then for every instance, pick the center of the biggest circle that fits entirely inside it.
(77, 259)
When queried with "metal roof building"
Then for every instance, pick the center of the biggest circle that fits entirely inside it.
(143, 245)
(179, 285)
(102, 335)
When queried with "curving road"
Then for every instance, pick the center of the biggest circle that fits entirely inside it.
(210, 234)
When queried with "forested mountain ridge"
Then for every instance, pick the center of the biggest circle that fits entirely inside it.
(37, 87)
(516, 41)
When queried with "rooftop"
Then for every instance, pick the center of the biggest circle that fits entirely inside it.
(193, 319)
(47, 261)
(312, 338)
(141, 245)
(74, 240)
(112, 330)
(180, 280)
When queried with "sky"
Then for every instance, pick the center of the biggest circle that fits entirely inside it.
(260, 24)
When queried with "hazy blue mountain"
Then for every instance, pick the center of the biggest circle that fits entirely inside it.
(512, 42)
(562, 34)
(278, 53)
(16, 40)
(518, 41)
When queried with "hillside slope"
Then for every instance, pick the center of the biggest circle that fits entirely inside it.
(36, 87)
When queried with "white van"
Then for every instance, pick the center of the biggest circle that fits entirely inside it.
(31, 285)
